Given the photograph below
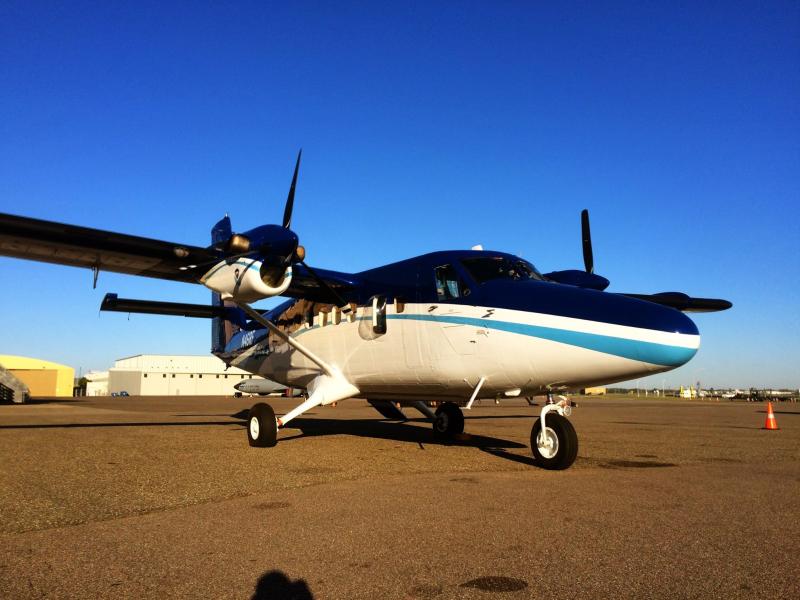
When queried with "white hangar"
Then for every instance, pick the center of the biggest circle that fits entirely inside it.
(165, 375)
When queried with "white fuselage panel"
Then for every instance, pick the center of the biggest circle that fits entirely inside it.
(442, 350)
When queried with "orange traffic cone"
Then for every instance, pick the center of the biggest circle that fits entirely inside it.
(771, 422)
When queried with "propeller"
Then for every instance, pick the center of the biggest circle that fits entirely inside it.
(275, 246)
(677, 300)
(586, 238)
(587, 277)
(287, 211)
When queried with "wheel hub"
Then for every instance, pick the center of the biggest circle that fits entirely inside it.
(547, 443)
(254, 428)
(442, 422)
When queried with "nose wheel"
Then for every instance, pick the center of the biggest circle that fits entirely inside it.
(448, 420)
(262, 427)
(555, 446)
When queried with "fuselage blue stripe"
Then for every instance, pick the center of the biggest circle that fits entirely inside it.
(650, 352)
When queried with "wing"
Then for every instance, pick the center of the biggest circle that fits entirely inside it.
(328, 286)
(47, 241)
(682, 302)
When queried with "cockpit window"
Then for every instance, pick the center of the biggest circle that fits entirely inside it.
(448, 284)
(500, 267)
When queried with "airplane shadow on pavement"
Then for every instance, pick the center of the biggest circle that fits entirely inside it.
(116, 424)
(416, 431)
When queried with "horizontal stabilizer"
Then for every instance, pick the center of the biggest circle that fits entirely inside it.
(388, 410)
(177, 309)
(682, 302)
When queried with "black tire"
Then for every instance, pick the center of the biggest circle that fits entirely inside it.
(567, 449)
(262, 428)
(449, 420)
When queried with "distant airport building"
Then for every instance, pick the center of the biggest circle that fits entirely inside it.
(594, 391)
(96, 383)
(165, 375)
(43, 378)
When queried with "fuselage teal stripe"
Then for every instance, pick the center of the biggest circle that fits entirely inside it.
(650, 352)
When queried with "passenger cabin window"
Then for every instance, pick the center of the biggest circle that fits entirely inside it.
(449, 284)
(500, 267)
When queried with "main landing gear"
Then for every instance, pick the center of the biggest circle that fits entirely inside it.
(262, 427)
(553, 439)
(448, 420)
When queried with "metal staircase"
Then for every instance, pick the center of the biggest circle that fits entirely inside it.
(11, 388)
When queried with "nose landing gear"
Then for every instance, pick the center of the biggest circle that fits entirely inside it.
(553, 439)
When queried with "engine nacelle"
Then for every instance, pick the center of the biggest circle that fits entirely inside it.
(247, 280)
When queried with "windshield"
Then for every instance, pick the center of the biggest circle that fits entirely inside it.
(500, 267)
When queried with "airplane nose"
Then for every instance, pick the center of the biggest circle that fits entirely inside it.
(650, 315)
(682, 323)
(676, 339)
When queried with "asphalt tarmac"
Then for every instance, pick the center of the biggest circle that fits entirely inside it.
(162, 497)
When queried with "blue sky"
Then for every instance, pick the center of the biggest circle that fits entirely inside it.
(425, 126)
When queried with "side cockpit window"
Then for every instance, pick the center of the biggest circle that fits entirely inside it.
(448, 284)
(500, 267)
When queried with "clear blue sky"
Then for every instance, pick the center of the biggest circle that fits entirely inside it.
(429, 126)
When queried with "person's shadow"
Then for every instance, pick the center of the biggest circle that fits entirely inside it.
(275, 585)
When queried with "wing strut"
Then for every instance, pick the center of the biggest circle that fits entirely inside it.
(475, 393)
(326, 388)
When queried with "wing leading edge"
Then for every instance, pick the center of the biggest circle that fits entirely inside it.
(73, 245)
(48, 241)
(683, 302)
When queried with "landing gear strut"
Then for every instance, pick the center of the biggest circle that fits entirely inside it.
(449, 420)
(262, 427)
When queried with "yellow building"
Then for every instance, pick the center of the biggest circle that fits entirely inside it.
(594, 391)
(42, 377)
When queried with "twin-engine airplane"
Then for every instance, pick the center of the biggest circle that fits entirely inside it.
(446, 326)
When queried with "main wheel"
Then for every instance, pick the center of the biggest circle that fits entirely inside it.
(262, 428)
(449, 420)
(557, 447)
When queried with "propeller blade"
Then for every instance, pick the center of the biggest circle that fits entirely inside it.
(586, 238)
(340, 302)
(287, 212)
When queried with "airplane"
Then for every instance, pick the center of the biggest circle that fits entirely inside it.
(261, 387)
(446, 326)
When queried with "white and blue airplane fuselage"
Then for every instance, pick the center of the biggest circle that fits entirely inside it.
(441, 348)
(433, 351)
